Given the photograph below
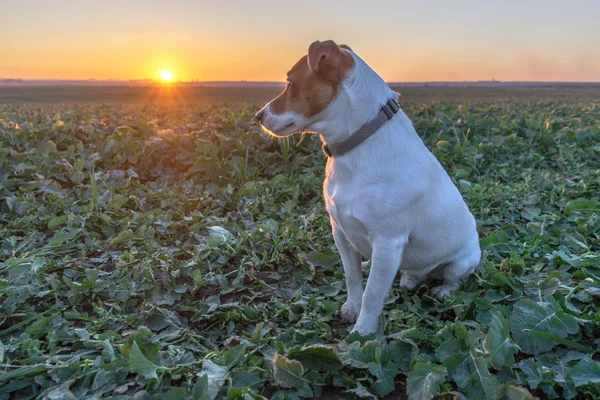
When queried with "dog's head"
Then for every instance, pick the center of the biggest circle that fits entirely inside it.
(312, 84)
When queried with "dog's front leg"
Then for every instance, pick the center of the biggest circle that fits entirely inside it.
(353, 271)
(385, 262)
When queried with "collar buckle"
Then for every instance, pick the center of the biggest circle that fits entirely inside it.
(393, 105)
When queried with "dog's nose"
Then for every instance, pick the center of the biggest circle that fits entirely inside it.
(259, 115)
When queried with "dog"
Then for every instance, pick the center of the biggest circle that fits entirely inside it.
(389, 199)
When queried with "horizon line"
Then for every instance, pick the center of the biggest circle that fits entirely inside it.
(158, 81)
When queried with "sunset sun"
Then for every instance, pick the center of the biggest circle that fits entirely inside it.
(166, 76)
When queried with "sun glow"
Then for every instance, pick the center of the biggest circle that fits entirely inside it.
(166, 76)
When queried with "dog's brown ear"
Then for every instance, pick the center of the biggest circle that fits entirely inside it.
(323, 55)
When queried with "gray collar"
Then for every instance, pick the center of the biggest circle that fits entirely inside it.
(364, 132)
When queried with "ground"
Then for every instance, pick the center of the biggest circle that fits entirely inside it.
(174, 251)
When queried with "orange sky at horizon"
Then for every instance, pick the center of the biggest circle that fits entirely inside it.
(232, 41)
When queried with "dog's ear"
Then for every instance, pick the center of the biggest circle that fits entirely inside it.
(345, 46)
(323, 55)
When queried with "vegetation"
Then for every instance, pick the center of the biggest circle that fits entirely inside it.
(155, 252)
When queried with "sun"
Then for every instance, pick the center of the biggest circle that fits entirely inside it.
(166, 76)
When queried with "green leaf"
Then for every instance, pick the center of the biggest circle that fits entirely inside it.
(216, 376)
(533, 372)
(234, 355)
(38, 328)
(385, 374)
(359, 356)
(546, 317)
(400, 353)
(585, 372)
(122, 237)
(108, 352)
(327, 258)
(316, 357)
(144, 338)
(56, 222)
(243, 394)
(139, 364)
(28, 370)
(219, 235)
(517, 393)
(103, 377)
(470, 371)
(580, 205)
(498, 344)
(559, 340)
(287, 373)
(242, 378)
(200, 391)
(361, 392)
(424, 381)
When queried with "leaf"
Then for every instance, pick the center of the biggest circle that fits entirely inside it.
(327, 258)
(316, 357)
(359, 356)
(27, 370)
(61, 392)
(144, 338)
(200, 391)
(517, 393)
(38, 328)
(401, 353)
(580, 205)
(287, 373)
(219, 235)
(498, 344)
(56, 222)
(559, 340)
(361, 392)
(470, 371)
(546, 317)
(216, 376)
(585, 372)
(533, 372)
(234, 355)
(122, 237)
(108, 352)
(243, 378)
(102, 378)
(386, 374)
(139, 364)
(424, 381)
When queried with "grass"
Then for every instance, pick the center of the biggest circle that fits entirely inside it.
(177, 252)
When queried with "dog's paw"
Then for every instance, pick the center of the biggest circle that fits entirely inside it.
(409, 282)
(442, 291)
(350, 312)
(364, 328)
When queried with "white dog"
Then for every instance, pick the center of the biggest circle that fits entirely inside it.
(389, 199)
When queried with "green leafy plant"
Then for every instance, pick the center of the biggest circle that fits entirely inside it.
(180, 253)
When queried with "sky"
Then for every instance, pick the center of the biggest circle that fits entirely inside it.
(259, 40)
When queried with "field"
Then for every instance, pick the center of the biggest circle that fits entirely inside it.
(173, 251)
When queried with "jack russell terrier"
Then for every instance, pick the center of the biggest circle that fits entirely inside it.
(388, 197)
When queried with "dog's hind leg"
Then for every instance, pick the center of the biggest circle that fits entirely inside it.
(455, 273)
